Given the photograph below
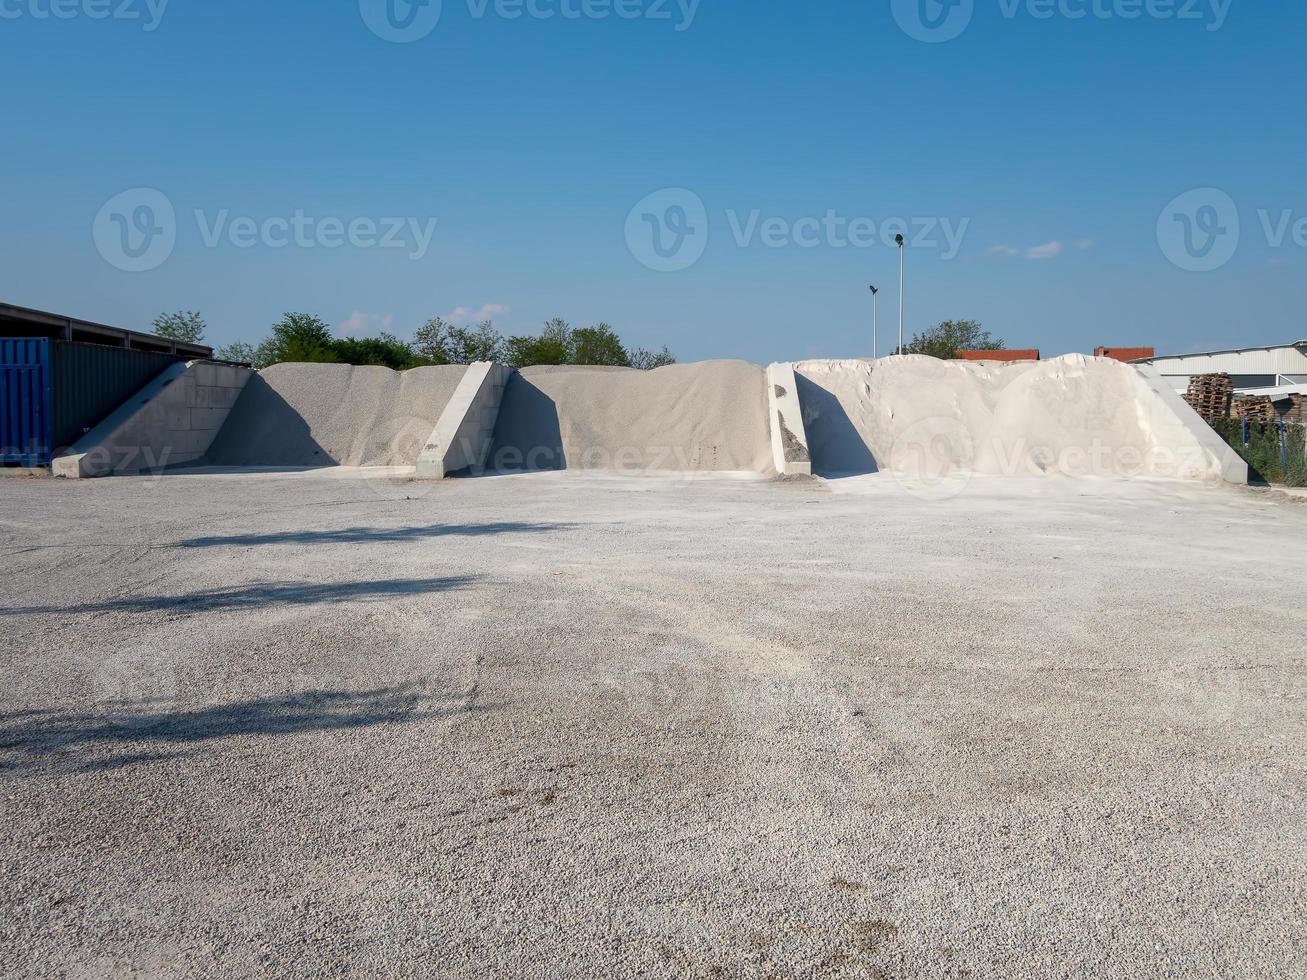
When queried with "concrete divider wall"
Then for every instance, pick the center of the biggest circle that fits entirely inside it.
(789, 441)
(1203, 455)
(466, 428)
(171, 421)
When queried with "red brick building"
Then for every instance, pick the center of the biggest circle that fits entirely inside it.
(1126, 353)
(998, 355)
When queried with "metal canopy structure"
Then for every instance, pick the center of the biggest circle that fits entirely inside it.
(19, 321)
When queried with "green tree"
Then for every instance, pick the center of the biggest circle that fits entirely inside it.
(647, 360)
(466, 346)
(384, 351)
(240, 352)
(553, 346)
(598, 345)
(431, 341)
(944, 340)
(185, 326)
(298, 337)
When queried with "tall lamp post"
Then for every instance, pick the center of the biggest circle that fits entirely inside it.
(875, 346)
(898, 240)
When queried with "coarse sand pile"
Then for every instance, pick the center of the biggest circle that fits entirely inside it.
(919, 416)
(710, 416)
(334, 414)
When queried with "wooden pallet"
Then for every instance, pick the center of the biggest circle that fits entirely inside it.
(1210, 395)
(1254, 408)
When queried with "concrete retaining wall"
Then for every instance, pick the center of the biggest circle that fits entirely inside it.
(171, 421)
(1200, 454)
(466, 429)
(789, 441)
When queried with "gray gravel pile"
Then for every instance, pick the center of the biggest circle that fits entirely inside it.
(572, 725)
(710, 416)
(334, 414)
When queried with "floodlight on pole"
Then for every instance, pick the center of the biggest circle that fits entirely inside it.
(898, 240)
(875, 347)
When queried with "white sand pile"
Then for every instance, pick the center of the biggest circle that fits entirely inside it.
(334, 414)
(710, 416)
(919, 416)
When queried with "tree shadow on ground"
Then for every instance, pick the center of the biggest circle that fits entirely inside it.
(127, 733)
(374, 535)
(262, 595)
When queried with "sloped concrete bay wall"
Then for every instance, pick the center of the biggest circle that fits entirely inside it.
(465, 430)
(789, 440)
(170, 422)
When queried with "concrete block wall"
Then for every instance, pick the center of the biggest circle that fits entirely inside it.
(789, 441)
(466, 428)
(171, 421)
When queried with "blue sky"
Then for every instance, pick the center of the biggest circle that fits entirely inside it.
(1051, 145)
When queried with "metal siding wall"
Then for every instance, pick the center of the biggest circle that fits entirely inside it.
(25, 415)
(91, 381)
(1279, 360)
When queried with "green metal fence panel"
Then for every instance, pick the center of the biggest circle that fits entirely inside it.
(90, 381)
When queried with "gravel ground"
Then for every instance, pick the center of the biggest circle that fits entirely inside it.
(572, 726)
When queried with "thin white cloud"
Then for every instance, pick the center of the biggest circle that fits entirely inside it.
(362, 324)
(1085, 244)
(1041, 252)
(462, 315)
(1007, 251)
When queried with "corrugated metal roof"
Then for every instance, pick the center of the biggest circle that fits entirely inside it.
(1297, 345)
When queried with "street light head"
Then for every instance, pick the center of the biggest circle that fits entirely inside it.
(874, 290)
(898, 240)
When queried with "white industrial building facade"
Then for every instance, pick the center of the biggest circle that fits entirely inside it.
(1253, 369)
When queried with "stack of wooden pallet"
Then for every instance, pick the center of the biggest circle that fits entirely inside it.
(1297, 411)
(1253, 408)
(1210, 395)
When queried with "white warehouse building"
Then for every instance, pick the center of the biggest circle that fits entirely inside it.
(1253, 369)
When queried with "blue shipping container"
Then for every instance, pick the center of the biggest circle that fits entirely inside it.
(26, 414)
